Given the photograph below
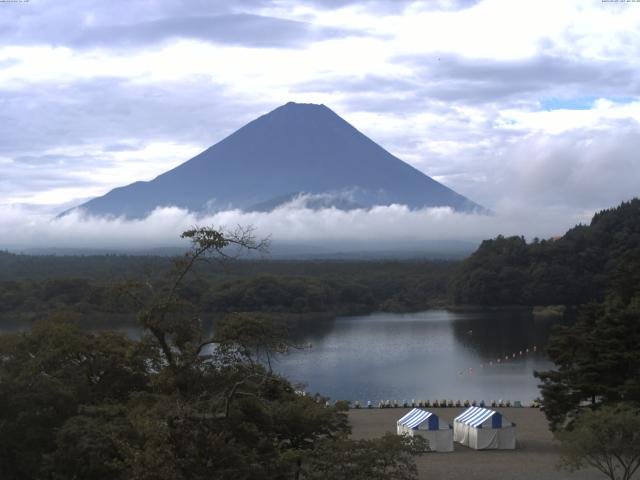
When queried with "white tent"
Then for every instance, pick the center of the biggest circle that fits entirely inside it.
(481, 429)
(427, 425)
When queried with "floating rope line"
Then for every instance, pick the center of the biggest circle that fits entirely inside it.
(502, 359)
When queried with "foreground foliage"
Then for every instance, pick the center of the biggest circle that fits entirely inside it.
(597, 361)
(390, 457)
(607, 439)
(179, 403)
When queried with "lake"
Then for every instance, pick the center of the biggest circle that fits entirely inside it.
(435, 354)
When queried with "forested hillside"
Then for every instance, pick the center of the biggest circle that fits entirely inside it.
(597, 361)
(31, 287)
(575, 269)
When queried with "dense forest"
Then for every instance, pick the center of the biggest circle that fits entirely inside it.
(574, 269)
(34, 286)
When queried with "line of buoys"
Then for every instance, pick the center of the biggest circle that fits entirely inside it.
(444, 404)
(501, 359)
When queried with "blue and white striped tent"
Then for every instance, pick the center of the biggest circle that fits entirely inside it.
(427, 425)
(482, 428)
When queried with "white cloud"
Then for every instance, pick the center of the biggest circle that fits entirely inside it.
(471, 122)
(381, 227)
(600, 117)
(89, 170)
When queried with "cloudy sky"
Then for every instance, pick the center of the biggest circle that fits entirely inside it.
(531, 107)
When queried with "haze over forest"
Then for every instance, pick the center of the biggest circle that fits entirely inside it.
(536, 119)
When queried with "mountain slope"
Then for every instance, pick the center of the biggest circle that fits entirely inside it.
(295, 149)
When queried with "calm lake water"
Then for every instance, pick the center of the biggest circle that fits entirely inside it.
(434, 354)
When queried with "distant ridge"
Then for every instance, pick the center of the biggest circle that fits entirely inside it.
(302, 151)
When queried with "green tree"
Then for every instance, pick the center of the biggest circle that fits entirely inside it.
(607, 439)
(575, 269)
(387, 458)
(47, 374)
(180, 403)
(597, 361)
(88, 446)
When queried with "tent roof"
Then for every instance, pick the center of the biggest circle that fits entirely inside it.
(414, 418)
(475, 416)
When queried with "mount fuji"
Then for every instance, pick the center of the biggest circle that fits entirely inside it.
(297, 152)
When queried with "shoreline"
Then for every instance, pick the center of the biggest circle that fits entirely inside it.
(535, 457)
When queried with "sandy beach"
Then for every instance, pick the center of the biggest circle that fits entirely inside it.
(535, 458)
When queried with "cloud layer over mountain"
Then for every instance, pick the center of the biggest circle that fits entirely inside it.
(513, 104)
(393, 227)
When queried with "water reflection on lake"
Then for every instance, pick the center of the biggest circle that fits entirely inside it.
(425, 355)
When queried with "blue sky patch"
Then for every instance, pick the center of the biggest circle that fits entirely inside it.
(579, 103)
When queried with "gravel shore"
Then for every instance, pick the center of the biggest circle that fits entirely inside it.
(535, 458)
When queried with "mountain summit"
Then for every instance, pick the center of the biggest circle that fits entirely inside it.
(301, 152)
